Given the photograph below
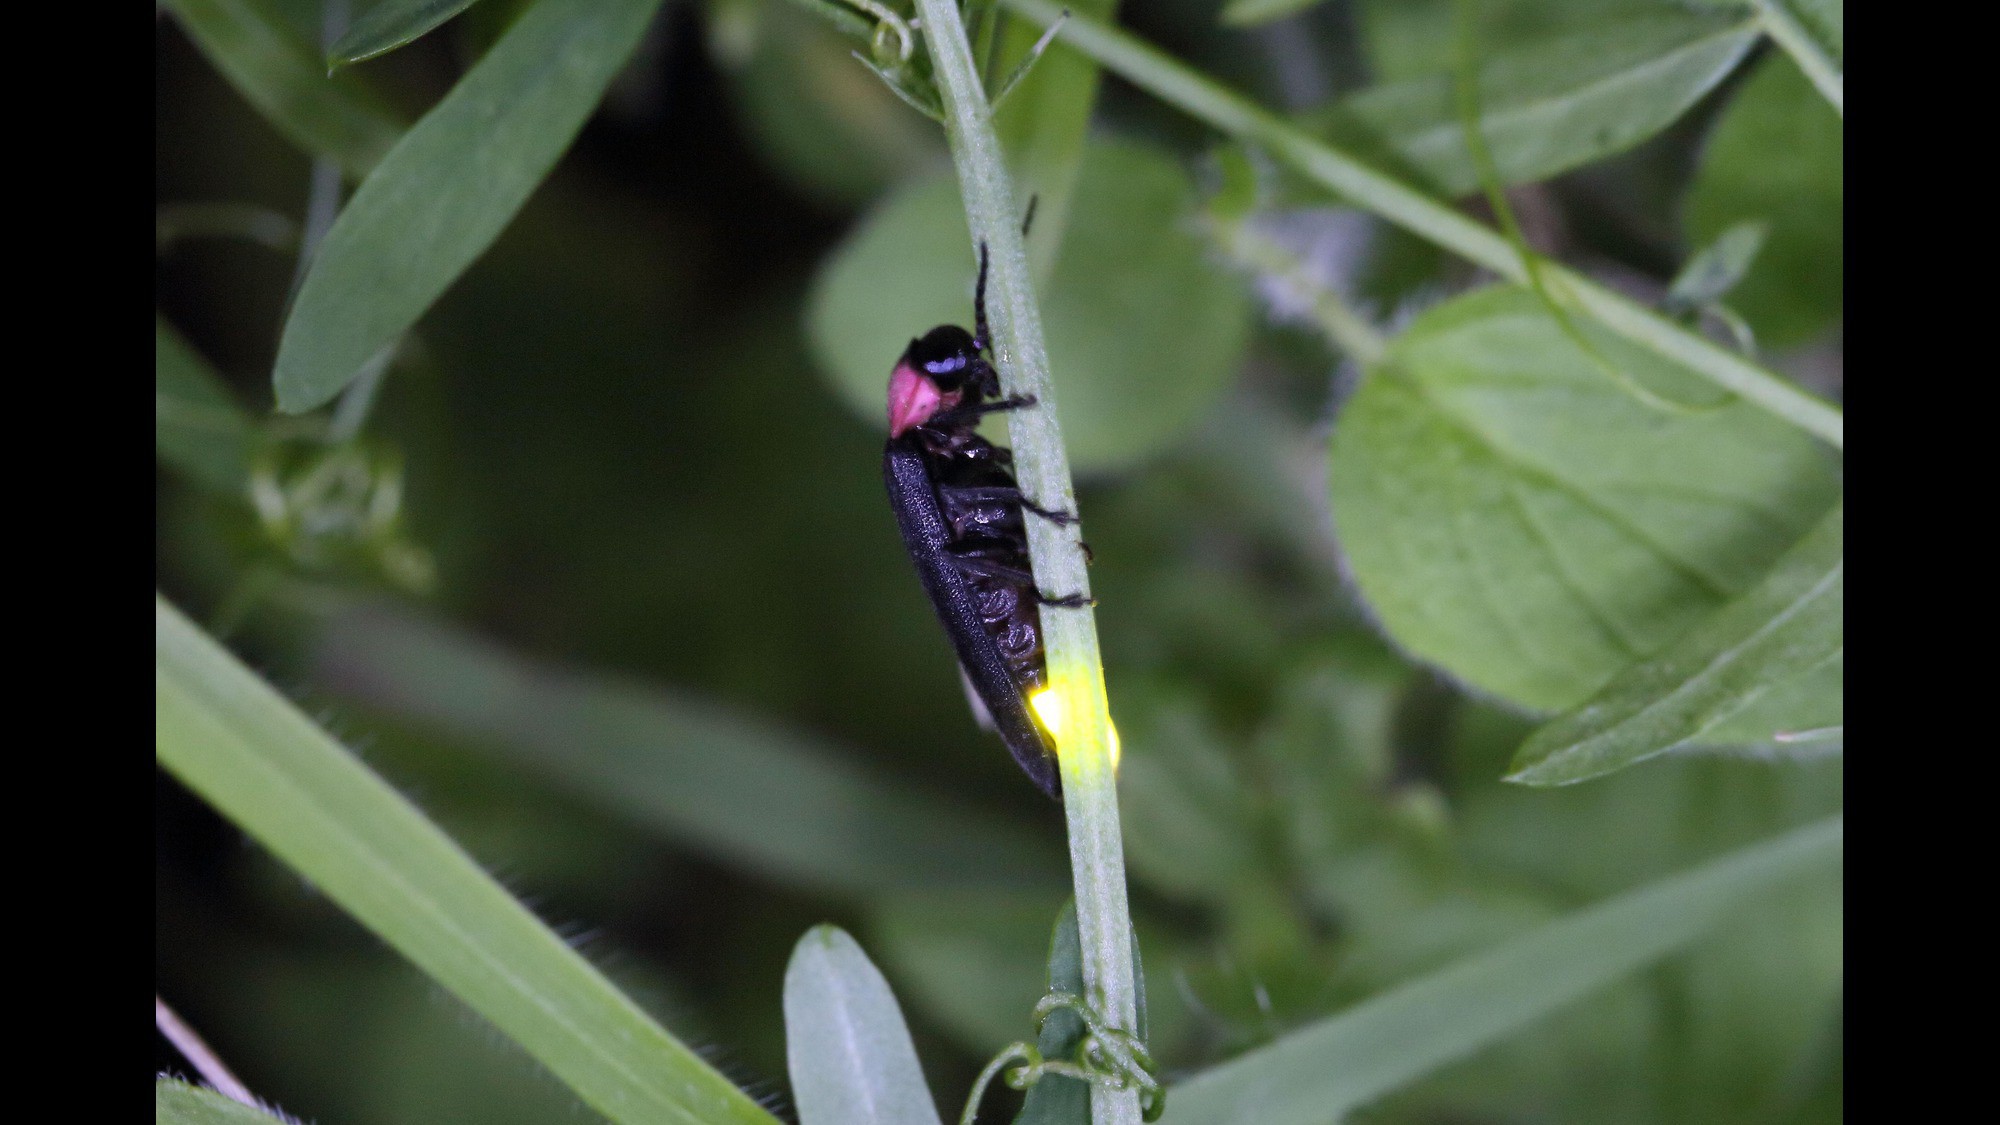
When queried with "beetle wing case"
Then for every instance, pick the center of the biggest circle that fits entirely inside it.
(926, 535)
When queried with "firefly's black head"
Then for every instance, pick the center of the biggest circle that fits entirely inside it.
(946, 353)
(943, 368)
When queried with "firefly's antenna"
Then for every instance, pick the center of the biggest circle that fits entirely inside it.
(981, 341)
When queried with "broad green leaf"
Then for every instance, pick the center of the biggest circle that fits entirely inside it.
(260, 762)
(849, 1052)
(1544, 109)
(772, 800)
(1715, 269)
(1407, 39)
(1515, 516)
(197, 427)
(1804, 715)
(448, 188)
(1332, 1067)
(1777, 631)
(1251, 13)
(178, 1103)
(1135, 312)
(284, 78)
(1777, 156)
(391, 24)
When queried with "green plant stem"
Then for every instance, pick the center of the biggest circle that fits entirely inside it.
(1076, 676)
(199, 1054)
(1230, 112)
(1784, 26)
(350, 413)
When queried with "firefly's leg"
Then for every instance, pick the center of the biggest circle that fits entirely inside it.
(1006, 495)
(946, 419)
(981, 338)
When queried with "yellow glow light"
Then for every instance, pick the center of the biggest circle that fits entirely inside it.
(1049, 707)
(1053, 709)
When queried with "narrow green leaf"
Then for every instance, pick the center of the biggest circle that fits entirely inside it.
(1329, 1068)
(1814, 33)
(246, 750)
(448, 188)
(281, 75)
(197, 426)
(1545, 109)
(775, 801)
(1780, 629)
(1515, 516)
(1778, 156)
(1805, 715)
(1716, 268)
(391, 24)
(849, 1052)
(1252, 13)
(1059, 1099)
(1134, 307)
(178, 1103)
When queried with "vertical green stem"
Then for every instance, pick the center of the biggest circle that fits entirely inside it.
(1076, 676)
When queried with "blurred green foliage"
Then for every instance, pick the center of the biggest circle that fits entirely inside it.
(1776, 155)
(601, 575)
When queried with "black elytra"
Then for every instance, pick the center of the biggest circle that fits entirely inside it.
(960, 512)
